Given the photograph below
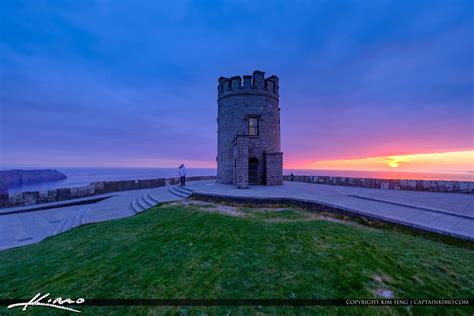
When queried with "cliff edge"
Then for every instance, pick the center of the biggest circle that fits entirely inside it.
(11, 178)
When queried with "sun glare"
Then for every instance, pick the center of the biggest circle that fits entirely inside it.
(448, 161)
(396, 161)
(393, 164)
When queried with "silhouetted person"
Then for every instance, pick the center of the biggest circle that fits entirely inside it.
(182, 174)
(292, 177)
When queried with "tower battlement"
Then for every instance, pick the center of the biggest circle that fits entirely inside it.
(248, 131)
(256, 84)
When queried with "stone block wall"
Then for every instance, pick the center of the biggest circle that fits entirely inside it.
(274, 168)
(63, 194)
(241, 162)
(4, 200)
(117, 186)
(390, 184)
(95, 188)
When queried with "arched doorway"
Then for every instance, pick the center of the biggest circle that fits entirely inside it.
(253, 171)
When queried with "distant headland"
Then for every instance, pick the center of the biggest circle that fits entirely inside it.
(11, 178)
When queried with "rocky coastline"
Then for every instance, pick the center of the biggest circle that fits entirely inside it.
(10, 178)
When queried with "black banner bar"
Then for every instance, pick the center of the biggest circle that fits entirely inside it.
(261, 302)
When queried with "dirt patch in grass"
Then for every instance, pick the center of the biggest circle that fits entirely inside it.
(384, 293)
(381, 278)
(274, 212)
(286, 215)
(331, 219)
(211, 207)
(268, 213)
(381, 283)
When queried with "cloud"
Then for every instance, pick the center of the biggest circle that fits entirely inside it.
(131, 83)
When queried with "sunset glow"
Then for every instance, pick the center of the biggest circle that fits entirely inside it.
(461, 161)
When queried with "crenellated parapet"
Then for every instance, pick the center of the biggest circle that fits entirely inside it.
(256, 84)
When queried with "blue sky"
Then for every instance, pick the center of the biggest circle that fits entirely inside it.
(133, 83)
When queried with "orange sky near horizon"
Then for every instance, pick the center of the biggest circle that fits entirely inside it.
(456, 161)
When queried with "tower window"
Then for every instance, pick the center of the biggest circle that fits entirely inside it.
(253, 126)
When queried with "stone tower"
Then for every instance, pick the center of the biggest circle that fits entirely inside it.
(248, 134)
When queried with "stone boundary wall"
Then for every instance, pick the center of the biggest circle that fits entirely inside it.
(390, 184)
(95, 188)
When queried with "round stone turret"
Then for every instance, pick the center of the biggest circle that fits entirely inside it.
(248, 145)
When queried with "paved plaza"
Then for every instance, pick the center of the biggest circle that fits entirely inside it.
(446, 213)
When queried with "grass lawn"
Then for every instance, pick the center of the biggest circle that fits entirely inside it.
(185, 251)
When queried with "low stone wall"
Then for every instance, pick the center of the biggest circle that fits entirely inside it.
(390, 184)
(95, 188)
(4, 200)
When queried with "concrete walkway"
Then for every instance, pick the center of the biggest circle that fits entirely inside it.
(21, 226)
(445, 213)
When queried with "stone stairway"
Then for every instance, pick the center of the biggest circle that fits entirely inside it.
(138, 204)
(71, 222)
(156, 196)
(179, 191)
(144, 201)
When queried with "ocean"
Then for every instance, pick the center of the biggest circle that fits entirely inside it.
(77, 177)
(83, 176)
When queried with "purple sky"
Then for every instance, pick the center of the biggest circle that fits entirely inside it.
(125, 83)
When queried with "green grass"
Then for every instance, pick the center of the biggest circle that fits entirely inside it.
(184, 252)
